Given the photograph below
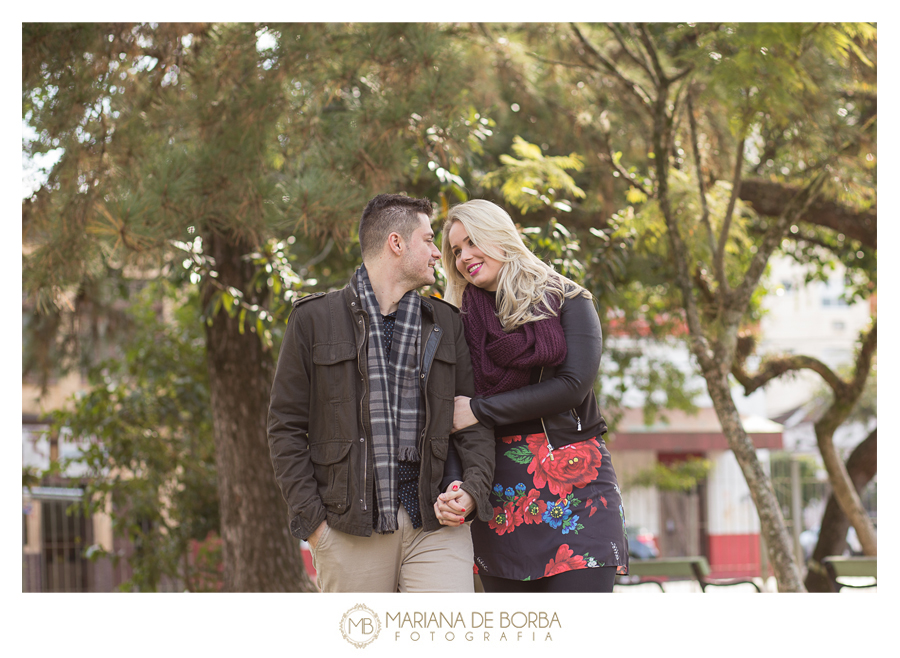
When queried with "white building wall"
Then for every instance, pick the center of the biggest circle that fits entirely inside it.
(641, 503)
(807, 319)
(730, 507)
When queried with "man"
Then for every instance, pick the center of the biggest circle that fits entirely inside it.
(361, 414)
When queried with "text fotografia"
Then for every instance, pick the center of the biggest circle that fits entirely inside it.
(478, 626)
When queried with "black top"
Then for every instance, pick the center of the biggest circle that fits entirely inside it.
(562, 396)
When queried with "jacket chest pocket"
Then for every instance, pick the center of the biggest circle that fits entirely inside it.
(331, 465)
(334, 379)
(442, 378)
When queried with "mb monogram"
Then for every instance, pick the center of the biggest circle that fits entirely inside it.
(360, 626)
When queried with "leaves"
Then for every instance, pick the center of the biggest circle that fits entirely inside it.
(145, 431)
(520, 455)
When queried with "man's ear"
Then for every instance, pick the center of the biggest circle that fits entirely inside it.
(395, 243)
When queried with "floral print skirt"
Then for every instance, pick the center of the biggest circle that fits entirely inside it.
(554, 511)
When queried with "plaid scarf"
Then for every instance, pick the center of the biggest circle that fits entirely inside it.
(395, 412)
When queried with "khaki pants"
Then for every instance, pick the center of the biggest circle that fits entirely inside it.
(407, 560)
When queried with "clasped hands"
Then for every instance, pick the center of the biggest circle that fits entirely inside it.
(452, 506)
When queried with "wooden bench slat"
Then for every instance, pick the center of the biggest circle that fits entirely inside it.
(694, 567)
(675, 567)
(853, 566)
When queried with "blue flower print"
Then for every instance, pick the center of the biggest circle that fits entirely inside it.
(520, 489)
(509, 493)
(557, 513)
(498, 488)
(570, 524)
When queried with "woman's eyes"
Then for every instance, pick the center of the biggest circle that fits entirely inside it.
(457, 252)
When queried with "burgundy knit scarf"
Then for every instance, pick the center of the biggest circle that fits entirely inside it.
(503, 361)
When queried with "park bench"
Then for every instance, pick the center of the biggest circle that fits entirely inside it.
(839, 566)
(693, 567)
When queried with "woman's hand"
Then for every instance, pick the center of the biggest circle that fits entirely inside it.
(452, 506)
(462, 413)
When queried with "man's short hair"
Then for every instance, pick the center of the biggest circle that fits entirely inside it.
(386, 214)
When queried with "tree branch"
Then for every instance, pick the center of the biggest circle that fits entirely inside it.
(704, 219)
(643, 64)
(632, 86)
(770, 198)
(661, 78)
(729, 214)
(573, 65)
(798, 205)
(864, 359)
(772, 368)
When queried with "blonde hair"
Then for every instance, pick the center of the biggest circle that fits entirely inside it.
(525, 282)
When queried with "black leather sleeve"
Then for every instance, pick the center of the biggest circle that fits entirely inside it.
(572, 381)
(453, 469)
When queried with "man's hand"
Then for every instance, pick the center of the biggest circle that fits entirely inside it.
(452, 506)
(462, 413)
(315, 536)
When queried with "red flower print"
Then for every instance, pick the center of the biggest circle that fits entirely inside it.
(510, 439)
(603, 500)
(474, 568)
(531, 508)
(566, 468)
(565, 560)
(505, 519)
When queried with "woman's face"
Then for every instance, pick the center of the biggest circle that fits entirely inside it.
(476, 267)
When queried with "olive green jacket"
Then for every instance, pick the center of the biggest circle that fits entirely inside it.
(318, 425)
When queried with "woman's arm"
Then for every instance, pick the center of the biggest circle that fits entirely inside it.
(571, 383)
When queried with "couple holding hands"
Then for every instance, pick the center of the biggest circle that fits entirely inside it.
(415, 437)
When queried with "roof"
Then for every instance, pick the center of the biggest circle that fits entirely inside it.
(683, 432)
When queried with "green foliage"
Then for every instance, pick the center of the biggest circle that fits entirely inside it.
(680, 476)
(145, 431)
(531, 180)
(660, 383)
(555, 244)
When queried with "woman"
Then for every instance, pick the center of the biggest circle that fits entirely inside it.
(535, 341)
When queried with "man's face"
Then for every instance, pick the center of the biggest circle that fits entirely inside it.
(420, 256)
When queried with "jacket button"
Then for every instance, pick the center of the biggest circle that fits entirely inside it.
(362, 440)
(423, 375)
(352, 303)
(437, 328)
(360, 322)
(360, 501)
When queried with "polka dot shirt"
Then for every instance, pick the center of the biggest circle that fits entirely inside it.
(408, 471)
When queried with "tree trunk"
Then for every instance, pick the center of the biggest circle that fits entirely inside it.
(771, 521)
(844, 491)
(861, 466)
(259, 553)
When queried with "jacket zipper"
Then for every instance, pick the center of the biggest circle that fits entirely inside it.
(546, 435)
(550, 445)
(577, 419)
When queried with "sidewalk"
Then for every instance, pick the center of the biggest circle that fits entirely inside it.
(692, 586)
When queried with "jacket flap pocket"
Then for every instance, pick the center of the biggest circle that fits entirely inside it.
(326, 354)
(439, 447)
(329, 452)
(446, 352)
